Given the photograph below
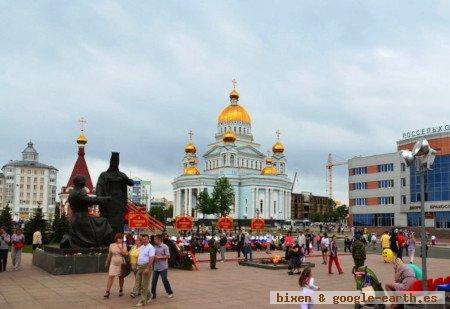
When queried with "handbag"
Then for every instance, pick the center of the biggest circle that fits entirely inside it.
(125, 267)
(18, 245)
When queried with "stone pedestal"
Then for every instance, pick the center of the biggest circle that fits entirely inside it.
(70, 261)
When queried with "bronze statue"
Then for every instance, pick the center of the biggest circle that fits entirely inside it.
(114, 183)
(86, 231)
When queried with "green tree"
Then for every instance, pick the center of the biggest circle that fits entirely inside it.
(60, 225)
(205, 204)
(6, 218)
(36, 223)
(169, 212)
(341, 212)
(158, 212)
(316, 217)
(222, 196)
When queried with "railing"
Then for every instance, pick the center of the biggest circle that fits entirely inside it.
(152, 223)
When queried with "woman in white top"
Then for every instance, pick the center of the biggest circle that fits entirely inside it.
(306, 282)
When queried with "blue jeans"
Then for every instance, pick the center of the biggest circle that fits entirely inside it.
(248, 251)
(165, 281)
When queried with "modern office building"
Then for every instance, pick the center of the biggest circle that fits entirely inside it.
(383, 191)
(140, 192)
(29, 184)
(305, 204)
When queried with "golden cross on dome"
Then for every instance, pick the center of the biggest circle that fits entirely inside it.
(234, 82)
(278, 133)
(190, 133)
(82, 122)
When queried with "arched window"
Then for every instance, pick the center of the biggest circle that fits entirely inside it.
(224, 160)
(239, 130)
(275, 207)
(261, 208)
(234, 129)
(281, 167)
(232, 160)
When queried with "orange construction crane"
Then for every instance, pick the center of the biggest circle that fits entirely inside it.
(329, 167)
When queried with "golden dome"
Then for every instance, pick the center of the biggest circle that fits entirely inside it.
(234, 113)
(234, 94)
(81, 140)
(229, 137)
(278, 148)
(269, 170)
(191, 170)
(190, 148)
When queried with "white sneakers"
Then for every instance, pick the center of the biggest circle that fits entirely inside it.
(169, 295)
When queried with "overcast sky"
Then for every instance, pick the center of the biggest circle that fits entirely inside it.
(346, 77)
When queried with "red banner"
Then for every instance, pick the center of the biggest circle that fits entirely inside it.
(184, 223)
(136, 220)
(257, 224)
(225, 223)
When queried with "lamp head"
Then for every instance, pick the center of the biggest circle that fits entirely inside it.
(407, 156)
(422, 147)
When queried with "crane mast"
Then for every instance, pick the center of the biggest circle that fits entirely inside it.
(329, 169)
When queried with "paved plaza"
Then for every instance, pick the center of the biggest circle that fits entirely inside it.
(231, 286)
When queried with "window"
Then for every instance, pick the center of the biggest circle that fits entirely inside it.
(443, 220)
(403, 182)
(403, 199)
(282, 168)
(359, 185)
(386, 200)
(240, 130)
(224, 158)
(386, 183)
(414, 219)
(275, 207)
(360, 170)
(389, 167)
(360, 201)
(383, 219)
(261, 206)
(232, 160)
(403, 167)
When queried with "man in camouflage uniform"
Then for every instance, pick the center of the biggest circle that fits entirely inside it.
(212, 253)
(358, 252)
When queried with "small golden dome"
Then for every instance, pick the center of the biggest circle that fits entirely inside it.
(234, 94)
(229, 137)
(234, 113)
(82, 140)
(278, 148)
(191, 170)
(269, 170)
(269, 160)
(190, 148)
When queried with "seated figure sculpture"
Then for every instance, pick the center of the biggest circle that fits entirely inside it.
(86, 231)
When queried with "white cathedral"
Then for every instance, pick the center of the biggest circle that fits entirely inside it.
(261, 186)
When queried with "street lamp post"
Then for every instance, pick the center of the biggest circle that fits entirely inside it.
(424, 156)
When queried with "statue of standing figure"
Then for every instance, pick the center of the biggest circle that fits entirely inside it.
(113, 183)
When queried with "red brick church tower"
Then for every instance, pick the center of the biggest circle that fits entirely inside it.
(80, 168)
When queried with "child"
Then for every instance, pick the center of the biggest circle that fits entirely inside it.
(306, 282)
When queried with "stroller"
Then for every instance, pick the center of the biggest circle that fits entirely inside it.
(366, 279)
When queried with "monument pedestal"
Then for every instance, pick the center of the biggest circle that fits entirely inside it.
(71, 261)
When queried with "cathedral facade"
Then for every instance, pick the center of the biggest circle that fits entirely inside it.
(260, 183)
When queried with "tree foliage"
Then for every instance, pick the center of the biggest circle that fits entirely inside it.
(222, 196)
(60, 225)
(36, 223)
(6, 218)
(205, 204)
(158, 212)
(316, 217)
